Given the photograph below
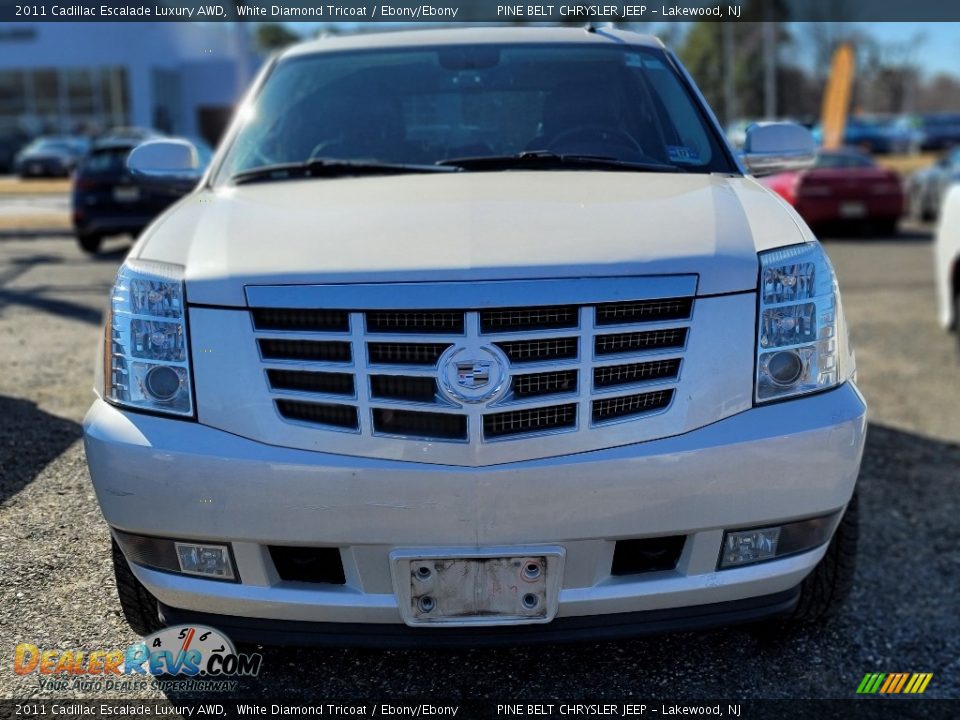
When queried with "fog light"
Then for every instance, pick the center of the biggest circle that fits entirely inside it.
(194, 558)
(742, 547)
(206, 560)
(749, 546)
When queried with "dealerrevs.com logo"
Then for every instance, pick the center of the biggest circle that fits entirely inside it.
(193, 656)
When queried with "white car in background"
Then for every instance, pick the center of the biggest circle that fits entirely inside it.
(947, 259)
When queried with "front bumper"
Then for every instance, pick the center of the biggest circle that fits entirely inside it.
(169, 478)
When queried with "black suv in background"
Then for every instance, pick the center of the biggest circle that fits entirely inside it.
(107, 201)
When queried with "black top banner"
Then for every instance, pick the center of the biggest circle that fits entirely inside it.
(415, 11)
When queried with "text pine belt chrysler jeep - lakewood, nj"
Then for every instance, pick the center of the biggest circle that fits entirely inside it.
(476, 327)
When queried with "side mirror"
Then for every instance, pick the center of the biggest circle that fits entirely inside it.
(171, 165)
(772, 147)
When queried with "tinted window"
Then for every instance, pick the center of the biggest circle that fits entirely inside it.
(109, 160)
(425, 105)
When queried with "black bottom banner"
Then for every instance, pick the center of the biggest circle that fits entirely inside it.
(867, 709)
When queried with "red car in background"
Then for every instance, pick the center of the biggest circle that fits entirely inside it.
(844, 187)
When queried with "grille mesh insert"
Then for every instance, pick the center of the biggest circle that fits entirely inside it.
(521, 351)
(415, 321)
(635, 372)
(317, 350)
(519, 422)
(405, 353)
(535, 318)
(412, 423)
(548, 383)
(341, 416)
(306, 320)
(634, 341)
(619, 407)
(402, 387)
(644, 311)
(320, 382)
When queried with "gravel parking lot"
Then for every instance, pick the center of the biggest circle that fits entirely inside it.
(57, 588)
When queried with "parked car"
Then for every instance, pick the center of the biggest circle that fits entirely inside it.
(880, 134)
(947, 261)
(941, 131)
(10, 144)
(843, 187)
(52, 156)
(570, 375)
(927, 187)
(106, 199)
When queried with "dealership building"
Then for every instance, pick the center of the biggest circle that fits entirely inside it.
(181, 78)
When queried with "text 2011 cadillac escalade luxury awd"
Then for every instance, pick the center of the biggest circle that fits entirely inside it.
(479, 327)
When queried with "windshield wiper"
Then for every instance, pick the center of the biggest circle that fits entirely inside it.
(545, 159)
(330, 167)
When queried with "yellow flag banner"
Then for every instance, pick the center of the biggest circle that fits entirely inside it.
(836, 97)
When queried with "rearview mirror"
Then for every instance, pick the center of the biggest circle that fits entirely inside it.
(772, 147)
(169, 164)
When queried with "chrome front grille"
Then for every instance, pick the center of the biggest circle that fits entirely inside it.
(401, 373)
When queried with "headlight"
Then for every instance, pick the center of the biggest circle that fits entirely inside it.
(801, 336)
(146, 357)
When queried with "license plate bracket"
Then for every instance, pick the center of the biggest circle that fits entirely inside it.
(126, 194)
(491, 586)
(853, 210)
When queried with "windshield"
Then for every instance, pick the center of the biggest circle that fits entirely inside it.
(843, 161)
(45, 145)
(425, 106)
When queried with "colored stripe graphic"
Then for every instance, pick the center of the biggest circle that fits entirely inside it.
(894, 683)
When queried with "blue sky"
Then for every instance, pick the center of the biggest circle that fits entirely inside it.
(939, 50)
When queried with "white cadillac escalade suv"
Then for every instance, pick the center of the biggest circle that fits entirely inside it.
(476, 335)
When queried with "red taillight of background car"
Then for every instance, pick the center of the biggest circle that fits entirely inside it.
(809, 187)
(82, 183)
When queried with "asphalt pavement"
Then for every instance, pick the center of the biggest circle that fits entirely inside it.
(57, 588)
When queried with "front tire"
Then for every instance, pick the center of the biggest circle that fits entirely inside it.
(139, 607)
(89, 243)
(824, 591)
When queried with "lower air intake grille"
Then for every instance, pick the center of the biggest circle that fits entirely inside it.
(632, 557)
(625, 406)
(341, 416)
(308, 564)
(518, 422)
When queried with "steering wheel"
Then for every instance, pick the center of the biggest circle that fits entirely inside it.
(606, 135)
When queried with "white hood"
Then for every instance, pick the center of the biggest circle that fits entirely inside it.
(471, 226)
